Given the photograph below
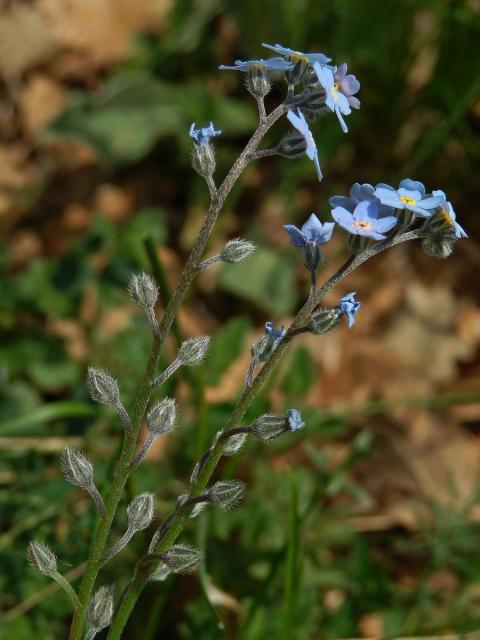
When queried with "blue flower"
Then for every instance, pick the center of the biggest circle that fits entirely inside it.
(448, 214)
(294, 420)
(272, 64)
(312, 231)
(335, 100)
(347, 84)
(364, 220)
(349, 307)
(301, 125)
(275, 334)
(409, 195)
(360, 193)
(298, 56)
(202, 136)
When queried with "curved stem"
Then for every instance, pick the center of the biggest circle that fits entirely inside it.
(67, 587)
(178, 519)
(218, 198)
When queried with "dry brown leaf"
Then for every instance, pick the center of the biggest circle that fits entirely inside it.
(42, 99)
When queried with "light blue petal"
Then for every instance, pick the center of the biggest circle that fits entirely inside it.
(389, 198)
(343, 124)
(412, 185)
(432, 202)
(382, 225)
(296, 236)
(342, 201)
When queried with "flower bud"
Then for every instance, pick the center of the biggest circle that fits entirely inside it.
(102, 387)
(161, 417)
(140, 512)
(294, 420)
(297, 73)
(258, 80)
(181, 559)
(292, 145)
(439, 244)
(226, 493)
(76, 468)
(234, 444)
(100, 608)
(323, 320)
(42, 558)
(269, 427)
(237, 250)
(193, 351)
(203, 159)
(143, 290)
(197, 509)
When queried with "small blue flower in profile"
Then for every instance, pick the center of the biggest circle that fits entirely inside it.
(274, 334)
(312, 231)
(364, 220)
(448, 214)
(360, 193)
(409, 195)
(298, 56)
(272, 64)
(294, 420)
(335, 100)
(202, 136)
(347, 84)
(348, 306)
(302, 127)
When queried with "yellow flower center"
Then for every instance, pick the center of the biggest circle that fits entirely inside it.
(408, 200)
(363, 225)
(334, 91)
(298, 57)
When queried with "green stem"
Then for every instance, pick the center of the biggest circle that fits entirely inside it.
(122, 471)
(67, 587)
(179, 518)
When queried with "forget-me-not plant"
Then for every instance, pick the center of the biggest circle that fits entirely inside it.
(376, 218)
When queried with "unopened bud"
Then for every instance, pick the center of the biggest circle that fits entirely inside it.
(143, 290)
(268, 427)
(234, 444)
(100, 609)
(181, 559)
(258, 80)
(439, 244)
(193, 351)
(297, 73)
(78, 470)
(292, 145)
(203, 159)
(42, 558)
(161, 417)
(323, 320)
(237, 250)
(140, 512)
(102, 387)
(226, 493)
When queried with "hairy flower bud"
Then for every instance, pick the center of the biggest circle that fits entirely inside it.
(102, 387)
(323, 320)
(181, 559)
(42, 558)
(258, 80)
(161, 417)
(100, 609)
(78, 470)
(268, 427)
(193, 351)
(203, 159)
(439, 244)
(143, 290)
(140, 512)
(226, 493)
(292, 145)
(237, 250)
(234, 444)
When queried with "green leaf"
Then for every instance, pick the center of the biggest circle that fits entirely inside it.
(300, 374)
(226, 346)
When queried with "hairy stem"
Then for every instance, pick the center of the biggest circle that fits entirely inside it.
(67, 587)
(115, 492)
(177, 520)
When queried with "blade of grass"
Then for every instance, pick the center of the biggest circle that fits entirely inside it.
(46, 413)
(202, 535)
(292, 572)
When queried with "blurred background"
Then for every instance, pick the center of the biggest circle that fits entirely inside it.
(366, 523)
